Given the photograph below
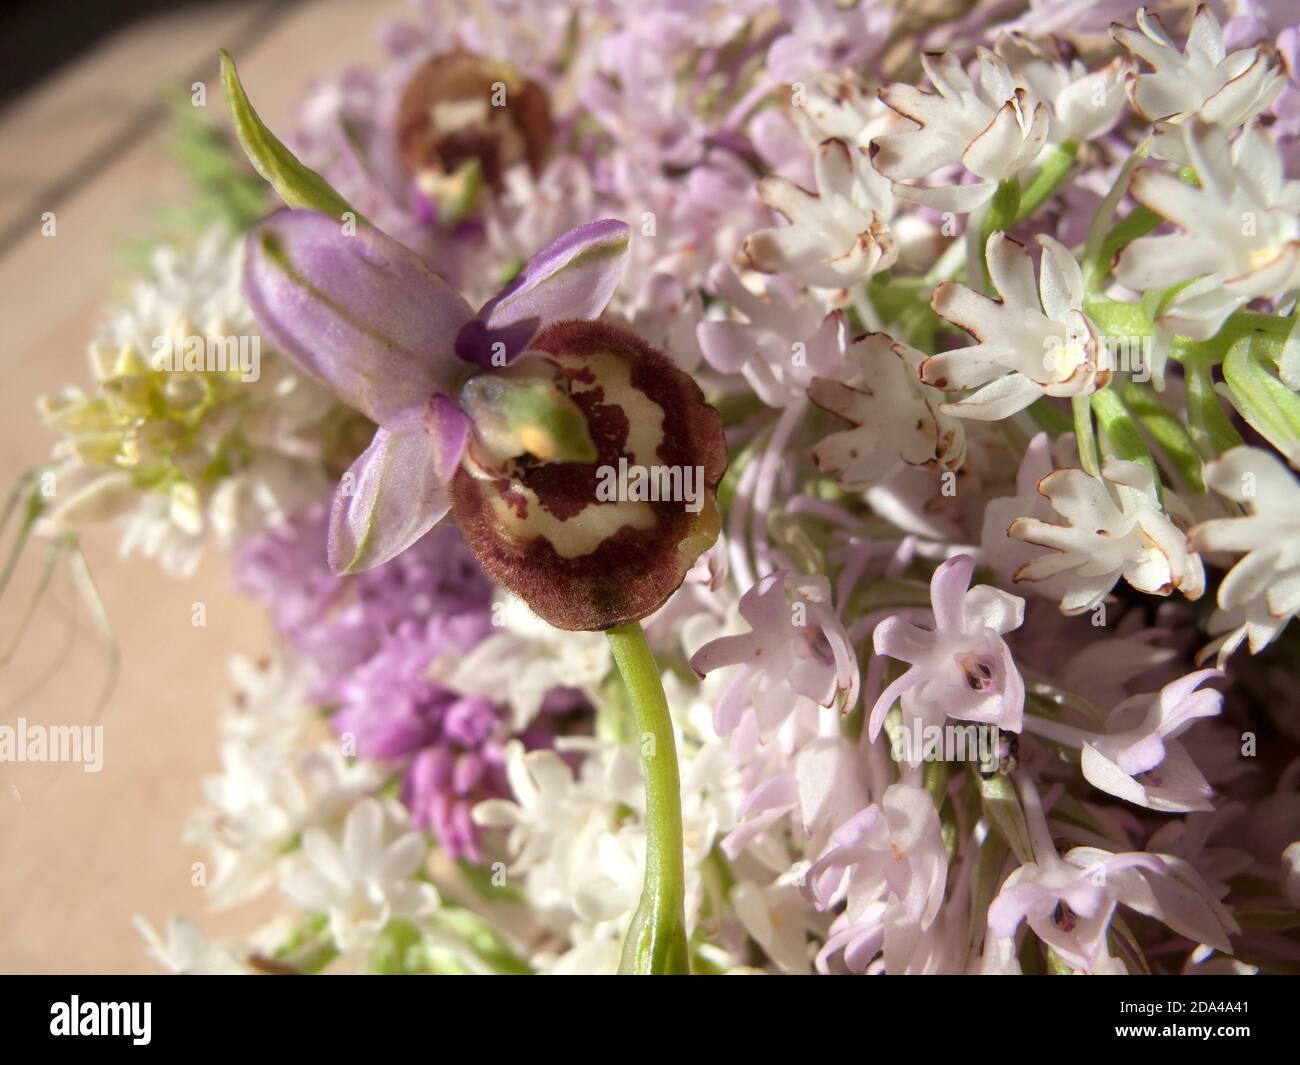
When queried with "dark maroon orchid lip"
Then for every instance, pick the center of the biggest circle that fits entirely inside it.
(552, 534)
(457, 108)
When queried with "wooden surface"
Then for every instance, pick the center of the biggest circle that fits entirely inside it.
(81, 853)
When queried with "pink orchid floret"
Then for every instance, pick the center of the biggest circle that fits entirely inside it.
(796, 649)
(1139, 757)
(888, 865)
(1069, 901)
(961, 668)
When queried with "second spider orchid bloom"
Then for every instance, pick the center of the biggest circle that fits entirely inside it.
(506, 415)
(962, 667)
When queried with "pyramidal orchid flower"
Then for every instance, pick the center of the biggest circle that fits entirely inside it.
(1225, 88)
(1261, 592)
(1069, 901)
(1115, 528)
(1138, 757)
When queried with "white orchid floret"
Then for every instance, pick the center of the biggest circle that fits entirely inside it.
(779, 919)
(994, 129)
(1261, 593)
(576, 838)
(1202, 79)
(1240, 230)
(1035, 341)
(186, 951)
(1084, 104)
(364, 878)
(840, 107)
(273, 785)
(839, 235)
(896, 419)
(1115, 528)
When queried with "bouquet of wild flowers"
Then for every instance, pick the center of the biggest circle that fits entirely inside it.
(911, 401)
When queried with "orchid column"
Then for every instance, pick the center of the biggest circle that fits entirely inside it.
(508, 418)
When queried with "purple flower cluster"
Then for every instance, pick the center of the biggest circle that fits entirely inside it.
(373, 637)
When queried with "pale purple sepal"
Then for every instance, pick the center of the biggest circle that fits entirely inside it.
(358, 312)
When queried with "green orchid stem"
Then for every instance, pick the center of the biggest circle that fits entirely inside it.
(1122, 437)
(1001, 216)
(1047, 180)
(656, 940)
(1210, 427)
(1166, 430)
(1084, 437)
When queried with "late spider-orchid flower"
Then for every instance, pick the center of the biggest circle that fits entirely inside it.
(516, 446)
(363, 315)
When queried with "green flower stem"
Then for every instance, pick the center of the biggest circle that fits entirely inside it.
(1001, 216)
(1046, 416)
(656, 940)
(1166, 430)
(1121, 434)
(1102, 240)
(1047, 180)
(1116, 318)
(1084, 437)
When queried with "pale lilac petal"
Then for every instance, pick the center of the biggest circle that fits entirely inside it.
(448, 428)
(390, 497)
(572, 277)
(948, 592)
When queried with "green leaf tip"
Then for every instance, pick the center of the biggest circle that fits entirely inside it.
(296, 184)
